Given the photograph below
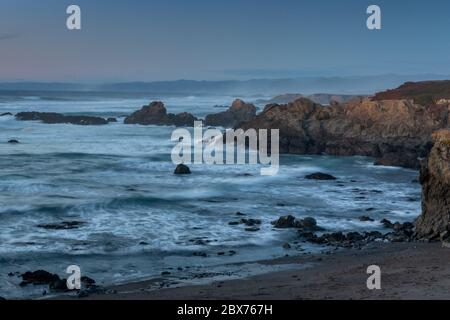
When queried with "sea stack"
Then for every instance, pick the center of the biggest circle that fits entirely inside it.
(433, 224)
(239, 112)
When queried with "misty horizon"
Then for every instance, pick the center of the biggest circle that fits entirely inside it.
(204, 40)
(365, 85)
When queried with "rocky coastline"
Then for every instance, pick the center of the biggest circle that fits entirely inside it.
(395, 132)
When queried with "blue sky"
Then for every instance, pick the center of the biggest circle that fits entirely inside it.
(149, 40)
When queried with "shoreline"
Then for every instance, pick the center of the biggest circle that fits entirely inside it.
(413, 270)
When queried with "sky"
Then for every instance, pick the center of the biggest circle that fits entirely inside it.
(151, 40)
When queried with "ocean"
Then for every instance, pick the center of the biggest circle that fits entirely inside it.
(139, 219)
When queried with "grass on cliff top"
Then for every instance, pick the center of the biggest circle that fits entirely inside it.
(424, 93)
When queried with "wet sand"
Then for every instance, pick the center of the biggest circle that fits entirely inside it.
(408, 271)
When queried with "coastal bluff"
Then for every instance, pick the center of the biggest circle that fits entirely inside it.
(434, 223)
(396, 132)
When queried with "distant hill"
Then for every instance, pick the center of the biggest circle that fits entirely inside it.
(364, 85)
(425, 92)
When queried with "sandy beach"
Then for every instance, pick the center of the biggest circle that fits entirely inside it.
(408, 271)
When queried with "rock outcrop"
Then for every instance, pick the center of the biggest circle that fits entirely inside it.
(434, 223)
(239, 112)
(396, 132)
(156, 114)
(55, 118)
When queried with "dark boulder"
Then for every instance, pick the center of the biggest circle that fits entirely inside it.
(110, 120)
(13, 141)
(183, 119)
(320, 176)
(182, 169)
(39, 277)
(251, 222)
(58, 285)
(305, 225)
(87, 282)
(387, 224)
(284, 222)
(57, 118)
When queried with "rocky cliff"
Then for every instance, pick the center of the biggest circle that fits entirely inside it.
(396, 132)
(435, 179)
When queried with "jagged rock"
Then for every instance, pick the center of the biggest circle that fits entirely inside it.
(308, 223)
(182, 119)
(435, 180)
(182, 169)
(111, 120)
(305, 225)
(320, 176)
(156, 114)
(55, 118)
(58, 285)
(284, 222)
(238, 113)
(39, 277)
(397, 132)
(387, 224)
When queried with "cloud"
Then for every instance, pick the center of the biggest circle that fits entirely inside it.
(8, 36)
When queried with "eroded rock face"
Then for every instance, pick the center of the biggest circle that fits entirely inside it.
(55, 118)
(238, 113)
(156, 114)
(396, 132)
(435, 179)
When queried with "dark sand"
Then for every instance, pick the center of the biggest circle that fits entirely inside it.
(409, 271)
